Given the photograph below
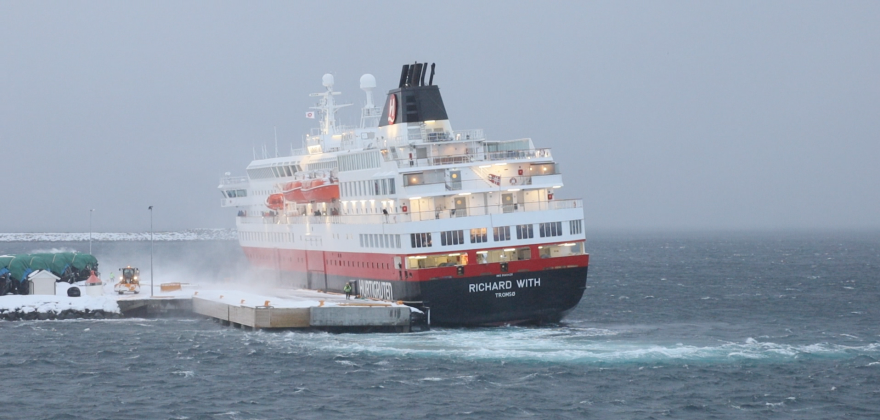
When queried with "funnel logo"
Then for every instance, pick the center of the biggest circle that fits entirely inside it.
(392, 109)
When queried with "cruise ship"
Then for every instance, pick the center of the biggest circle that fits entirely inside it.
(405, 208)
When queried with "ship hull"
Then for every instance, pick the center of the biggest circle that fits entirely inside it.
(495, 299)
(514, 298)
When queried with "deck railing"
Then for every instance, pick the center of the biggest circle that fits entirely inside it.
(412, 215)
(533, 154)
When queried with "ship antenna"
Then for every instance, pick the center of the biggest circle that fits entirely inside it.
(327, 106)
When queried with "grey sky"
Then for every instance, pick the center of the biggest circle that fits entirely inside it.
(663, 115)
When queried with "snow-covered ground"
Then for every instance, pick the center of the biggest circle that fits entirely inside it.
(59, 302)
(185, 235)
(278, 298)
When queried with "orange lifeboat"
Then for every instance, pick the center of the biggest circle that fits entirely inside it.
(275, 202)
(321, 190)
(293, 192)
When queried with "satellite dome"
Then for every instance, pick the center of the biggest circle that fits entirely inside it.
(368, 82)
(328, 80)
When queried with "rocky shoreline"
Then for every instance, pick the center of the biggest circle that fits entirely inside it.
(20, 315)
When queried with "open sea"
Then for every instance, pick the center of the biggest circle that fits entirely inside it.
(685, 326)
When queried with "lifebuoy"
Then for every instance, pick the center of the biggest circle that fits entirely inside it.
(403, 208)
(512, 181)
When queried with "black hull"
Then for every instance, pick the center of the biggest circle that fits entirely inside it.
(528, 297)
(509, 298)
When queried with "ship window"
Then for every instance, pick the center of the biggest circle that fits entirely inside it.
(384, 187)
(501, 233)
(420, 240)
(391, 186)
(508, 145)
(452, 237)
(478, 235)
(398, 241)
(501, 255)
(413, 179)
(549, 229)
(525, 231)
(543, 169)
(362, 240)
(575, 227)
(561, 250)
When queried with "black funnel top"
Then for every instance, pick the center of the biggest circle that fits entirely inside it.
(413, 101)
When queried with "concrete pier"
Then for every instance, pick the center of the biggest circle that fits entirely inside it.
(280, 309)
(145, 307)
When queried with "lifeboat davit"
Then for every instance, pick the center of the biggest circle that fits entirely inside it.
(275, 202)
(321, 190)
(293, 192)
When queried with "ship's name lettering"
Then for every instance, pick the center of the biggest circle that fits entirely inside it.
(504, 285)
(375, 289)
(505, 294)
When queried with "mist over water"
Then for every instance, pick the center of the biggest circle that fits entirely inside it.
(682, 326)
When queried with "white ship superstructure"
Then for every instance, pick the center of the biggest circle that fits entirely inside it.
(406, 208)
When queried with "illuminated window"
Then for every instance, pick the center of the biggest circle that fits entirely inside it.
(478, 235)
(420, 240)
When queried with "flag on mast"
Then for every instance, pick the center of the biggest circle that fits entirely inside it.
(310, 114)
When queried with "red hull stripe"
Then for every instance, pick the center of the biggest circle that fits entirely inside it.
(381, 266)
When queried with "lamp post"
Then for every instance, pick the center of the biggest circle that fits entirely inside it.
(151, 251)
(90, 230)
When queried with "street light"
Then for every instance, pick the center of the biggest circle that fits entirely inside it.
(151, 251)
(90, 230)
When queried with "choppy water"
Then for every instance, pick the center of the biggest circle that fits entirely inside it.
(672, 326)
